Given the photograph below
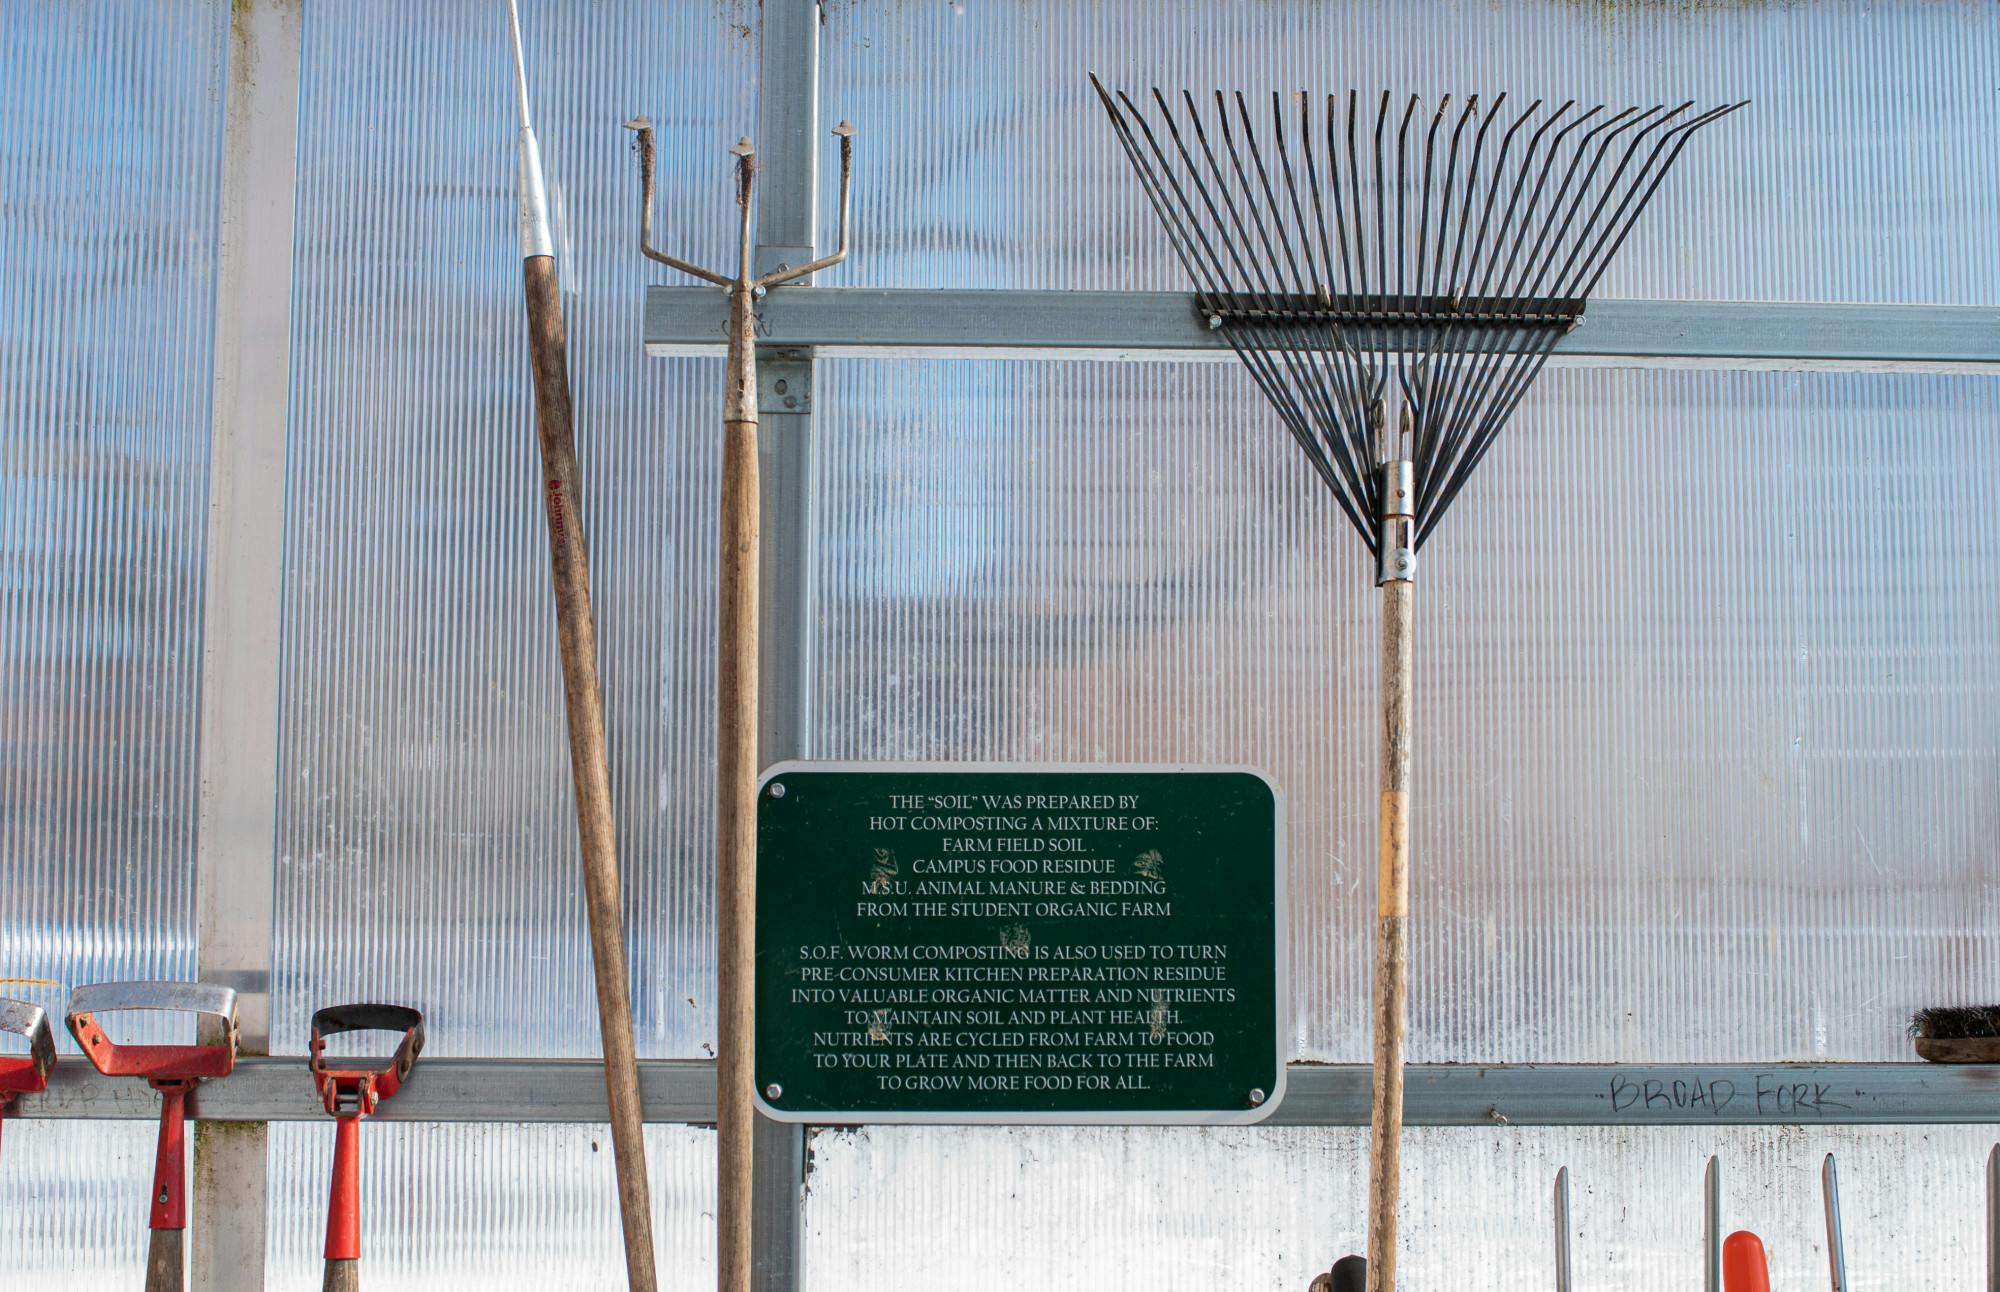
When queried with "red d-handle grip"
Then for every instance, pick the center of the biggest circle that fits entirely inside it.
(1744, 1268)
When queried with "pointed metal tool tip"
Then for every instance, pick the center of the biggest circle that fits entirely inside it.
(640, 122)
(845, 129)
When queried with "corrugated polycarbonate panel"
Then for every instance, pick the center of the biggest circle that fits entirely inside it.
(1264, 1210)
(110, 165)
(460, 1208)
(73, 1204)
(427, 837)
(1863, 169)
(1707, 680)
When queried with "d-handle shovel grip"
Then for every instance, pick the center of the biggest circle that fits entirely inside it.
(348, 1086)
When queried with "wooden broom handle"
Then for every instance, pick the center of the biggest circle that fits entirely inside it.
(1385, 1128)
(576, 636)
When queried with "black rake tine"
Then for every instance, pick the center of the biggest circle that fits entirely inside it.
(1301, 352)
(1292, 191)
(1605, 144)
(1681, 136)
(1261, 369)
(1612, 187)
(1312, 182)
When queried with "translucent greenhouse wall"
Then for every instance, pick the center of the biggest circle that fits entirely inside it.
(1708, 674)
(110, 159)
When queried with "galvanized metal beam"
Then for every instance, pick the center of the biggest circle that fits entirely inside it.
(1120, 325)
(787, 226)
(439, 1090)
(243, 587)
(683, 1091)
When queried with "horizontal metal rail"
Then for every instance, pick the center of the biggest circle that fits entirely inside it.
(1161, 325)
(683, 1091)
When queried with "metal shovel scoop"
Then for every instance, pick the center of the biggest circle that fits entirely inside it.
(351, 1093)
(172, 1070)
(25, 1074)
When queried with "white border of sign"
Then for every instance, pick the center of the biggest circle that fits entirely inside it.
(1281, 916)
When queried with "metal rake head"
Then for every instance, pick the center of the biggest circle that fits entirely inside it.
(1395, 280)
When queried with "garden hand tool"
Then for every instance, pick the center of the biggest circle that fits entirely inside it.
(25, 1074)
(1394, 349)
(576, 644)
(736, 760)
(351, 1093)
(173, 1070)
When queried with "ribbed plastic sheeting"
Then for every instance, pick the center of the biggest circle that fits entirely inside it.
(1188, 1210)
(110, 164)
(1707, 680)
(73, 1204)
(467, 1208)
(427, 833)
(1862, 171)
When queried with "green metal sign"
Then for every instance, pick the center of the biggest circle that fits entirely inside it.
(1018, 944)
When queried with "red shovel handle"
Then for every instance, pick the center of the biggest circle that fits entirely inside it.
(1744, 1268)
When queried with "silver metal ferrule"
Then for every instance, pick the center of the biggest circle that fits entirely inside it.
(535, 238)
(1398, 523)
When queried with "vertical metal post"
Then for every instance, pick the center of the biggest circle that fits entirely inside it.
(787, 220)
(237, 816)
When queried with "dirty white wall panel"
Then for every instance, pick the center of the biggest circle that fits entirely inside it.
(1708, 678)
(1859, 172)
(110, 161)
(466, 1208)
(1190, 1210)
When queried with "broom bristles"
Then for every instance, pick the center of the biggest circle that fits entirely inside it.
(1956, 1022)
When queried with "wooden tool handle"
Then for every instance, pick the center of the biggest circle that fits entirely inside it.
(342, 1276)
(1385, 1130)
(576, 636)
(163, 1261)
(736, 802)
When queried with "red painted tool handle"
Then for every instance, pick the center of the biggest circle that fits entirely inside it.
(169, 1209)
(343, 1206)
(1744, 1268)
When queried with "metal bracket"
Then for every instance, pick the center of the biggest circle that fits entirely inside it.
(784, 380)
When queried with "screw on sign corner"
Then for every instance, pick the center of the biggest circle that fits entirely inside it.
(774, 1091)
(777, 789)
